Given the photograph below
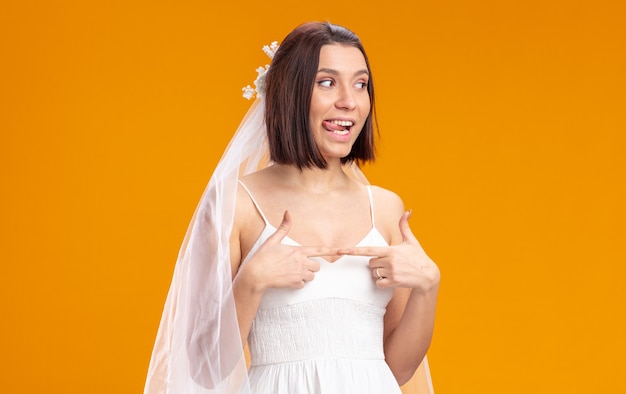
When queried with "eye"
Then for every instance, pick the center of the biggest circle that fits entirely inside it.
(361, 85)
(326, 83)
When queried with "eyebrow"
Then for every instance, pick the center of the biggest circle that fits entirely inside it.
(335, 72)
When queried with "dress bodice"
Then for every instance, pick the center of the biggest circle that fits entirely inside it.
(338, 314)
(326, 337)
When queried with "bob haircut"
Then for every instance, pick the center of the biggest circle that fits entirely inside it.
(289, 87)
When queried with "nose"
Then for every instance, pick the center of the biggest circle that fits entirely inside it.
(345, 98)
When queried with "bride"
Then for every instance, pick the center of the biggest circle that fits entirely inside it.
(325, 282)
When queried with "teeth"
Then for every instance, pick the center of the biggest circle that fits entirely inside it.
(345, 123)
(340, 132)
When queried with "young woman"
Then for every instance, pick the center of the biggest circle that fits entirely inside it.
(329, 287)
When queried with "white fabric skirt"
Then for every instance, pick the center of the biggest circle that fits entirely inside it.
(332, 376)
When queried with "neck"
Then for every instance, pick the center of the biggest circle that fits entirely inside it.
(314, 180)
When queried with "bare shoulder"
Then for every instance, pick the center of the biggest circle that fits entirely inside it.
(247, 224)
(263, 175)
(246, 214)
(388, 208)
(254, 184)
(388, 198)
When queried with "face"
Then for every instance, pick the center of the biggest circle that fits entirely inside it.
(340, 102)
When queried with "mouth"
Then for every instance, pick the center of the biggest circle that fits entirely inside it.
(338, 127)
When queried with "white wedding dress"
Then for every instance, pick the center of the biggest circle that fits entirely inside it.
(326, 338)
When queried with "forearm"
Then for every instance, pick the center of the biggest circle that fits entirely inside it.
(406, 345)
(247, 300)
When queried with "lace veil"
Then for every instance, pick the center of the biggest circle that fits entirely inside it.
(198, 347)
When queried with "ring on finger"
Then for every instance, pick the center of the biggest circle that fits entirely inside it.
(378, 274)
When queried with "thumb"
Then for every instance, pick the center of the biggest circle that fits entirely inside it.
(283, 229)
(407, 234)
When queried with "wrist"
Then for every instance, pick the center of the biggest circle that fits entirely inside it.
(247, 282)
(429, 281)
(426, 290)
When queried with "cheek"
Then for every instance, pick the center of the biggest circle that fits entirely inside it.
(315, 110)
(366, 105)
(364, 101)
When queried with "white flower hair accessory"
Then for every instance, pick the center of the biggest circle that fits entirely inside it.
(259, 82)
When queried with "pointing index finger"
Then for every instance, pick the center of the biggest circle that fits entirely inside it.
(319, 251)
(364, 251)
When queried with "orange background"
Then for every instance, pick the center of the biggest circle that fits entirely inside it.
(502, 126)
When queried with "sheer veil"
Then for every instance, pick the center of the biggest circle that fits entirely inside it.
(198, 347)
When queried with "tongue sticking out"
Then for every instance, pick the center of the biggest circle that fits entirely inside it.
(330, 126)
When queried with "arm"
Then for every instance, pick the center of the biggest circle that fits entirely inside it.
(247, 295)
(410, 315)
(251, 280)
(409, 326)
(273, 265)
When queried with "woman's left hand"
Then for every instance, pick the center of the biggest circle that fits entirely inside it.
(402, 265)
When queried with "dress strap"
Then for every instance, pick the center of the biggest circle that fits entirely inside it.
(258, 208)
(369, 192)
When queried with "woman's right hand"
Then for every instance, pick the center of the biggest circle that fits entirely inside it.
(275, 265)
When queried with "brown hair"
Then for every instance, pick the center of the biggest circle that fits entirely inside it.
(289, 86)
